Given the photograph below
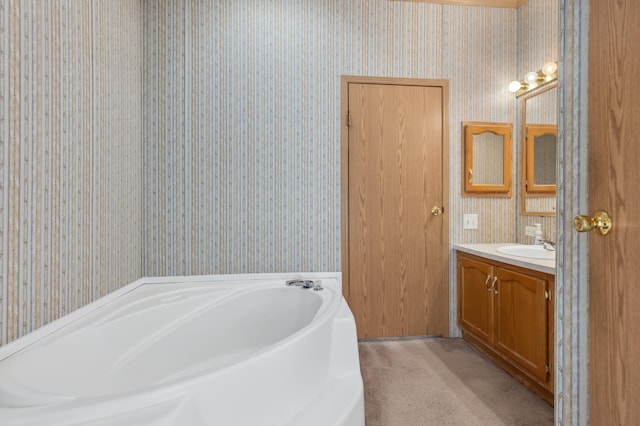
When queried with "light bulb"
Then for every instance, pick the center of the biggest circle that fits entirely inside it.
(549, 68)
(514, 86)
(531, 77)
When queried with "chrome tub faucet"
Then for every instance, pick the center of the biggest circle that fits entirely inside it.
(305, 284)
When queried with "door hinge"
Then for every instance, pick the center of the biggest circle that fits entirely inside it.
(348, 119)
(547, 369)
(547, 294)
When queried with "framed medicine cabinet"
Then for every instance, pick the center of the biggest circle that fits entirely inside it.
(487, 159)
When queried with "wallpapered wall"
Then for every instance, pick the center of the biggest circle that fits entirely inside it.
(242, 125)
(537, 45)
(70, 156)
(189, 137)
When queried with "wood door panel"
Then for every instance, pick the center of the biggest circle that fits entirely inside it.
(521, 318)
(614, 179)
(395, 177)
(365, 191)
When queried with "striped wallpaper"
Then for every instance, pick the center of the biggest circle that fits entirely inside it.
(242, 125)
(202, 136)
(70, 156)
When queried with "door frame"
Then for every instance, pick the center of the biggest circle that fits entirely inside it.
(571, 302)
(345, 80)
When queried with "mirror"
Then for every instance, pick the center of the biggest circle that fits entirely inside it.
(539, 151)
(541, 142)
(487, 152)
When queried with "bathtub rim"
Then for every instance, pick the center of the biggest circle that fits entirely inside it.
(33, 337)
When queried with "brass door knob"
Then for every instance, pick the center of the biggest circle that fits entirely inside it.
(435, 210)
(601, 222)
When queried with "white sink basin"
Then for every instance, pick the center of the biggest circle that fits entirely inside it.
(532, 252)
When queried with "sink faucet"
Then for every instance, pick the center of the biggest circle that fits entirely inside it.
(548, 245)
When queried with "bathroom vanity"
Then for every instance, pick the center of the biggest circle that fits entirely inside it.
(505, 310)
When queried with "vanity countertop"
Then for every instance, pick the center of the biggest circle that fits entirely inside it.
(489, 251)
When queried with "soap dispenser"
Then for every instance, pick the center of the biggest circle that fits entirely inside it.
(538, 234)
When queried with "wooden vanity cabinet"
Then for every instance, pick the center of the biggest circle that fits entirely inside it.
(506, 312)
(475, 298)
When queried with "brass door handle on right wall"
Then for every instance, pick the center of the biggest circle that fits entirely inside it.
(601, 222)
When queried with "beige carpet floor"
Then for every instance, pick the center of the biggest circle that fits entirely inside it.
(442, 382)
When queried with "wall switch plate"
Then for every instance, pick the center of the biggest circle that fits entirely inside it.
(530, 231)
(470, 221)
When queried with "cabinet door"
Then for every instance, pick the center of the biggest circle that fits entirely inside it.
(521, 320)
(475, 310)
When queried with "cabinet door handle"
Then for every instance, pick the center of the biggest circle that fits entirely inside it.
(493, 285)
(486, 283)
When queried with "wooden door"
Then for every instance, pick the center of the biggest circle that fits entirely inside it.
(521, 320)
(475, 298)
(395, 246)
(614, 185)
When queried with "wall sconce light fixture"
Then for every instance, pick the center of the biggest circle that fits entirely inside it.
(533, 79)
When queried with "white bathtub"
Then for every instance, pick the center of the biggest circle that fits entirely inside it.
(215, 350)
